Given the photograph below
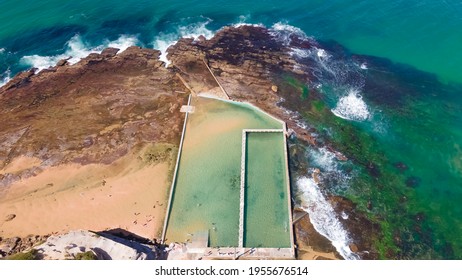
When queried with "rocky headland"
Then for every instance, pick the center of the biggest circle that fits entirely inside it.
(92, 145)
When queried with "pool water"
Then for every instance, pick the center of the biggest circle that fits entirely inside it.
(207, 189)
(266, 199)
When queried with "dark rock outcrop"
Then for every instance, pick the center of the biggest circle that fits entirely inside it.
(11, 246)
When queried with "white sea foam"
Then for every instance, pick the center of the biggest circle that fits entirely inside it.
(328, 70)
(244, 21)
(301, 53)
(331, 169)
(294, 116)
(122, 43)
(324, 159)
(301, 124)
(239, 24)
(77, 49)
(5, 77)
(244, 18)
(363, 66)
(162, 42)
(287, 28)
(352, 107)
(283, 32)
(322, 54)
(323, 216)
(2, 50)
(194, 30)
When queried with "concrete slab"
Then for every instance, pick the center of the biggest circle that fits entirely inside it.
(187, 109)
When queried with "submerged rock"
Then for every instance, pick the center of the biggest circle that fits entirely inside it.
(353, 248)
(413, 181)
(369, 205)
(373, 169)
(401, 166)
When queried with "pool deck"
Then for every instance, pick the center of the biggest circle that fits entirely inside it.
(242, 190)
(186, 252)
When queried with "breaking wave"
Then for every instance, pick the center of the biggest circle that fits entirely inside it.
(323, 216)
(284, 32)
(335, 179)
(330, 69)
(77, 49)
(164, 40)
(352, 107)
(324, 159)
(5, 77)
(243, 21)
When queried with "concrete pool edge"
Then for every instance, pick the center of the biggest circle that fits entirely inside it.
(242, 190)
(183, 252)
(289, 194)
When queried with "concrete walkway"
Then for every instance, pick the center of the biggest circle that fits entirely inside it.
(181, 251)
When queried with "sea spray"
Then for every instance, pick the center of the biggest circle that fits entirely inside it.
(5, 77)
(161, 43)
(243, 20)
(329, 68)
(323, 216)
(284, 33)
(323, 159)
(333, 176)
(352, 107)
(77, 49)
(122, 43)
(333, 71)
(334, 75)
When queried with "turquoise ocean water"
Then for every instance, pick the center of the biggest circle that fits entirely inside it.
(396, 115)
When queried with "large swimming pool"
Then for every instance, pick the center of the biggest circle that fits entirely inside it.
(206, 194)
